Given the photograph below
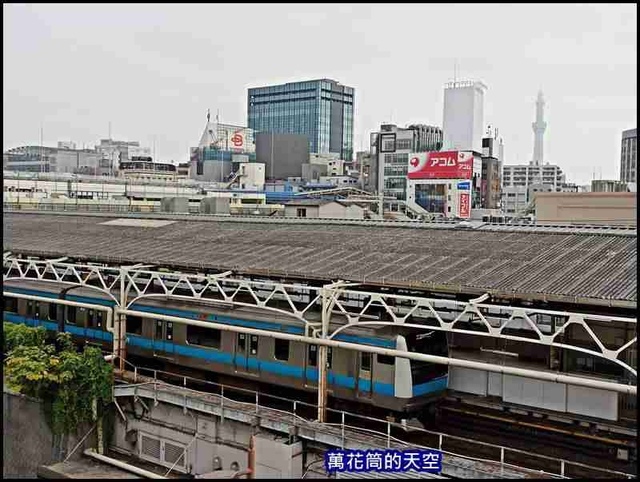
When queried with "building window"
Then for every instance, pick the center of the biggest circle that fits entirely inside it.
(198, 335)
(301, 212)
(281, 349)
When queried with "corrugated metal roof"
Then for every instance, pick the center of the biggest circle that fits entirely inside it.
(520, 263)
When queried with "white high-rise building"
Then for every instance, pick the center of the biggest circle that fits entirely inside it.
(463, 123)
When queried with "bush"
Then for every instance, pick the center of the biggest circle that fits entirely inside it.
(14, 335)
(66, 380)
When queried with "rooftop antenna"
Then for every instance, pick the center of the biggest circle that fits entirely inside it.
(109, 130)
(208, 116)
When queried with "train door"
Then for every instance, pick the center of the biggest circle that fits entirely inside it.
(163, 339)
(311, 369)
(247, 353)
(364, 370)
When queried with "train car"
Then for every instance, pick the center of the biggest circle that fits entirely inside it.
(396, 384)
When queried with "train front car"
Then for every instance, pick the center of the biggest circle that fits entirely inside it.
(428, 380)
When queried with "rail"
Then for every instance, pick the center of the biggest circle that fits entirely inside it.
(354, 423)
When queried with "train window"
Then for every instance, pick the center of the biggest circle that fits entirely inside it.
(281, 349)
(242, 342)
(36, 309)
(386, 360)
(10, 305)
(253, 345)
(134, 325)
(53, 311)
(584, 363)
(71, 315)
(91, 318)
(365, 362)
(329, 357)
(99, 318)
(169, 331)
(313, 355)
(158, 330)
(198, 335)
(29, 308)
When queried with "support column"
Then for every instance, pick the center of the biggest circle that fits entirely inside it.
(120, 345)
(322, 359)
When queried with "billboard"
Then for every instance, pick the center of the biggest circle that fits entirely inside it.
(441, 165)
(464, 205)
(233, 138)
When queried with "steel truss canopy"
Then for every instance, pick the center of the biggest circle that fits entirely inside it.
(553, 264)
(350, 307)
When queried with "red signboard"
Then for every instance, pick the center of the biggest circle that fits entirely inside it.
(441, 165)
(464, 205)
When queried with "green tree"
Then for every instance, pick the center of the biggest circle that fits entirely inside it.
(68, 381)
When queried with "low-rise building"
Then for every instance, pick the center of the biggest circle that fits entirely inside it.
(53, 159)
(145, 168)
(528, 178)
(390, 149)
(322, 208)
(607, 185)
(607, 208)
(366, 165)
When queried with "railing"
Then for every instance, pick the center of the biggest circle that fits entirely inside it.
(301, 414)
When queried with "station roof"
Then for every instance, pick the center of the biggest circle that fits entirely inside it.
(554, 264)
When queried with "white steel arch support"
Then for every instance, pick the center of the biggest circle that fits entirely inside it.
(300, 300)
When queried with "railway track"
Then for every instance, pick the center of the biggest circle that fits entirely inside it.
(537, 438)
(455, 419)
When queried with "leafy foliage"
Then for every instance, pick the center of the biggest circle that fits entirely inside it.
(65, 379)
(20, 335)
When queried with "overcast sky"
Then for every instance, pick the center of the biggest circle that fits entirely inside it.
(153, 70)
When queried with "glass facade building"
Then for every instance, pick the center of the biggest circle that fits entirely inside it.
(322, 110)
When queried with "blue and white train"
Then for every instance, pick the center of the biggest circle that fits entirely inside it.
(396, 384)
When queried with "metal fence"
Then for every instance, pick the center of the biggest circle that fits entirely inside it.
(388, 432)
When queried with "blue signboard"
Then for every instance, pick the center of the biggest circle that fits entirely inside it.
(466, 185)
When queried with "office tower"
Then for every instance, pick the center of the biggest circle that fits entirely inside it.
(322, 110)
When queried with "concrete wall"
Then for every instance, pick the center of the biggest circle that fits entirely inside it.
(212, 171)
(591, 207)
(288, 152)
(211, 444)
(214, 205)
(28, 441)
